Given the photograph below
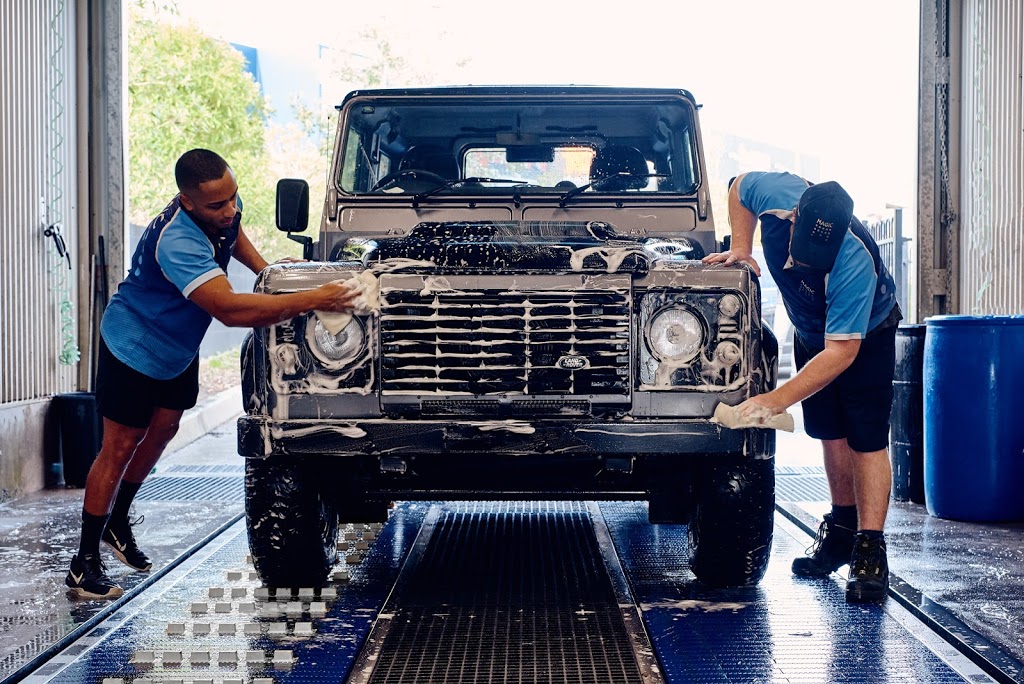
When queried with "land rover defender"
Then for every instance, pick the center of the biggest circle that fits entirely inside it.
(534, 322)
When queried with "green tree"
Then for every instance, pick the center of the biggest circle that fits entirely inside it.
(187, 90)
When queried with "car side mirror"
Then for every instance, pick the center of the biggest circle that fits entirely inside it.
(292, 211)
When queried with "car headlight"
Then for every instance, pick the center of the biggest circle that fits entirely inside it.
(675, 334)
(339, 349)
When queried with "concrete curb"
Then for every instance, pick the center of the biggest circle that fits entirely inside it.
(207, 416)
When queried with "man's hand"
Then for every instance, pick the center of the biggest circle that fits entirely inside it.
(733, 256)
(759, 409)
(335, 296)
(290, 260)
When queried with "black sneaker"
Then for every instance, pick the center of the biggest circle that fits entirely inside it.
(869, 571)
(88, 578)
(829, 552)
(118, 536)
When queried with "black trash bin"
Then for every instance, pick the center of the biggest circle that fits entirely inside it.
(81, 434)
(907, 418)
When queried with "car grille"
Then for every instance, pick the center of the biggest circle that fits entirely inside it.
(527, 335)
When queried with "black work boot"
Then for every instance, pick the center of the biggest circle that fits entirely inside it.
(119, 537)
(869, 570)
(829, 552)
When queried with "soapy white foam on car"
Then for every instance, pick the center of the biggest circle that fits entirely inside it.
(754, 416)
(367, 301)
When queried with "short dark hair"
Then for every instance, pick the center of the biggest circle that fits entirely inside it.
(731, 181)
(198, 166)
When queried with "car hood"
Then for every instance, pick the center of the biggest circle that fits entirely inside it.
(492, 247)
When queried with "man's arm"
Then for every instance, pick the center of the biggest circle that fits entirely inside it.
(254, 310)
(742, 222)
(247, 253)
(821, 370)
(816, 375)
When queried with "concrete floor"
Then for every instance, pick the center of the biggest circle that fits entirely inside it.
(966, 577)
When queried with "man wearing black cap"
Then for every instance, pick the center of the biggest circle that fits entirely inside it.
(842, 302)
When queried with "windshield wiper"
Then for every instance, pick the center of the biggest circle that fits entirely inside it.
(419, 197)
(601, 181)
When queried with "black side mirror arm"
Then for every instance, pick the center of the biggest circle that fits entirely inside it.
(307, 245)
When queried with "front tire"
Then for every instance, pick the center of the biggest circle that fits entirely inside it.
(731, 528)
(293, 526)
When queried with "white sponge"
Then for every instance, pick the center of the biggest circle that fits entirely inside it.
(729, 416)
(367, 301)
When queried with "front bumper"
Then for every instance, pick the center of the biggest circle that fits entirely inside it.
(261, 437)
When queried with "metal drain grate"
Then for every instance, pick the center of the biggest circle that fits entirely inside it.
(799, 470)
(33, 645)
(792, 488)
(192, 489)
(231, 469)
(508, 592)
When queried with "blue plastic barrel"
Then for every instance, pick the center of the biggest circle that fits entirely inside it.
(974, 417)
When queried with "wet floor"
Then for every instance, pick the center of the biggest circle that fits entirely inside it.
(966, 578)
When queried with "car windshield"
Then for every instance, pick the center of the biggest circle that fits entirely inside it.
(437, 146)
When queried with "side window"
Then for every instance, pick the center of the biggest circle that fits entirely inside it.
(351, 169)
(685, 173)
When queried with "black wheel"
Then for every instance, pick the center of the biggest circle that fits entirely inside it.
(425, 178)
(293, 526)
(731, 528)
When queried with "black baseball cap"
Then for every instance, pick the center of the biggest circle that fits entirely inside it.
(824, 214)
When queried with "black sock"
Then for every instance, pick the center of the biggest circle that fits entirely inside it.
(873, 534)
(123, 502)
(92, 530)
(845, 516)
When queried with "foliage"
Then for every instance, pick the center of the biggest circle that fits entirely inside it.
(187, 90)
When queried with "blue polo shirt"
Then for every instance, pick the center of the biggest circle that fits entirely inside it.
(846, 303)
(150, 324)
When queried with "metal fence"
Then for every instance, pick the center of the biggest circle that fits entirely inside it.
(892, 247)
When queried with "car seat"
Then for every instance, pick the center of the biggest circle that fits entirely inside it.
(432, 159)
(612, 160)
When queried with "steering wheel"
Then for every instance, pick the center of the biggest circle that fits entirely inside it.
(413, 174)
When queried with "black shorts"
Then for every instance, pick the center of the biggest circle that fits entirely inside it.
(128, 397)
(856, 405)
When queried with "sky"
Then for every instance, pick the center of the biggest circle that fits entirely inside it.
(828, 78)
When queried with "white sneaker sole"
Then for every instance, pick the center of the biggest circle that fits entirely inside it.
(81, 592)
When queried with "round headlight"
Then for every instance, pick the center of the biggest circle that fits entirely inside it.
(340, 348)
(675, 334)
(728, 353)
(729, 305)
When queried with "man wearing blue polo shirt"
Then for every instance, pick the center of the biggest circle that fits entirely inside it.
(842, 302)
(148, 367)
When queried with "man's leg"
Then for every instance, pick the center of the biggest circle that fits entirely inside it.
(119, 445)
(834, 542)
(839, 470)
(872, 476)
(869, 563)
(162, 428)
(118, 532)
(87, 576)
